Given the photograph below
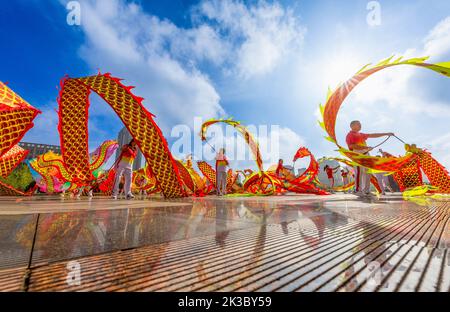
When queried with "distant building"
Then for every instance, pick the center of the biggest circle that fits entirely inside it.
(37, 149)
(123, 138)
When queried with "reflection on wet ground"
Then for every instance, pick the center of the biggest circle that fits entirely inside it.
(282, 243)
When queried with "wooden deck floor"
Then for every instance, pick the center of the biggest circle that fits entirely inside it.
(286, 243)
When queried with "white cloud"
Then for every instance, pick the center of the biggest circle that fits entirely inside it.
(131, 44)
(165, 61)
(283, 143)
(201, 43)
(437, 43)
(260, 35)
(395, 87)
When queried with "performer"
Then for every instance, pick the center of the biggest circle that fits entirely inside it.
(124, 167)
(330, 173)
(279, 172)
(221, 172)
(189, 161)
(356, 142)
(353, 189)
(344, 175)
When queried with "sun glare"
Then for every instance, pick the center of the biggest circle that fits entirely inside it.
(340, 69)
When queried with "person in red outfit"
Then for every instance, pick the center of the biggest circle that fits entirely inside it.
(124, 167)
(279, 171)
(356, 141)
(344, 175)
(330, 174)
(221, 172)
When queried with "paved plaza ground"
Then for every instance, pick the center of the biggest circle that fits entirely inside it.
(278, 243)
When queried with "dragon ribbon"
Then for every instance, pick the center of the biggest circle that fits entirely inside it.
(258, 183)
(335, 99)
(16, 118)
(51, 166)
(73, 104)
(248, 137)
(313, 169)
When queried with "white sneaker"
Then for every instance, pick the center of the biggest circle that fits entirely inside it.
(114, 197)
(91, 194)
(130, 196)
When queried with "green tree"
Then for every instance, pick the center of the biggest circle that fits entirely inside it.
(20, 178)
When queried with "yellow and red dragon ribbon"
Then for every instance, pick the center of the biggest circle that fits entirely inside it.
(248, 137)
(16, 118)
(335, 99)
(73, 128)
(409, 177)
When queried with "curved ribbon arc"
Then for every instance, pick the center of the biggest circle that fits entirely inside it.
(313, 168)
(248, 137)
(335, 100)
(101, 155)
(73, 117)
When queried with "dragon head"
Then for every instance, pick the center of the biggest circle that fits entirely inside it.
(301, 153)
(412, 148)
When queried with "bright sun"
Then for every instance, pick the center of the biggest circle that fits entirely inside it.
(341, 68)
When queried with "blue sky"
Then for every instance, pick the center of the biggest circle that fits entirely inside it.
(261, 62)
